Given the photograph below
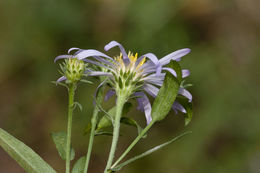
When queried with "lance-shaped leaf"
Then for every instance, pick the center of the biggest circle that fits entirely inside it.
(188, 106)
(131, 122)
(117, 168)
(23, 155)
(105, 121)
(79, 165)
(167, 93)
(60, 139)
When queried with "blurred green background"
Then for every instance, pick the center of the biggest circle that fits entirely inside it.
(224, 64)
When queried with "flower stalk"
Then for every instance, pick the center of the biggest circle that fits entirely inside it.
(143, 132)
(121, 99)
(71, 91)
(93, 127)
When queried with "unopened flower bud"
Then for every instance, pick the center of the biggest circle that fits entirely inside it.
(74, 69)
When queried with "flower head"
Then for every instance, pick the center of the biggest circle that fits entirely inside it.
(133, 75)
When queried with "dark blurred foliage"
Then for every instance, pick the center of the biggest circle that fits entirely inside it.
(224, 64)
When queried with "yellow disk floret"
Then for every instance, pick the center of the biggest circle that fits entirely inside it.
(132, 66)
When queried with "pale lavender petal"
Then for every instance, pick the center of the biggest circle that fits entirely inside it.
(151, 90)
(147, 70)
(97, 64)
(122, 49)
(177, 106)
(185, 73)
(62, 57)
(170, 70)
(148, 64)
(105, 61)
(153, 79)
(73, 48)
(144, 102)
(109, 94)
(91, 52)
(99, 73)
(174, 56)
(158, 69)
(62, 78)
(150, 56)
(185, 93)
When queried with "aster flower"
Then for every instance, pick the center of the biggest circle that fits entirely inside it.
(133, 76)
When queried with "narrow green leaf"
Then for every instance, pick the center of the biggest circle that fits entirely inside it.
(78, 104)
(60, 139)
(79, 165)
(23, 155)
(117, 168)
(167, 93)
(87, 128)
(106, 121)
(188, 115)
(188, 107)
(107, 133)
(132, 122)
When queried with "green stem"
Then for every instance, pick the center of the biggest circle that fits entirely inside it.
(93, 127)
(144, 131)
(119, 108)
(70, 113)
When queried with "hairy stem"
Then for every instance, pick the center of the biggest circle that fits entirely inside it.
(144, 131)
(71, 90)
(119, 108)
(93, 127)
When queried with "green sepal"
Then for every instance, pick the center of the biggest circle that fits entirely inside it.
(59, 140)
(79, 165)
(23, 155)
(167, 93)
(60, 83)
(148, 152)
(86, 81)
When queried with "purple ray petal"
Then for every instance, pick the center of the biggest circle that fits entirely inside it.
(109, 94)
(62, 57)
(99, 73)
(185, 93)
(170, 70)
(150, 56)
(145, 105)
(105, 61)
(97, 64)
(174, 56)
(122, 49)
(177, 106)
(62, 78)
(91, 52)
(158, 69)
(73, 48)
(151, 90)
(185, 73)
(153, 79)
